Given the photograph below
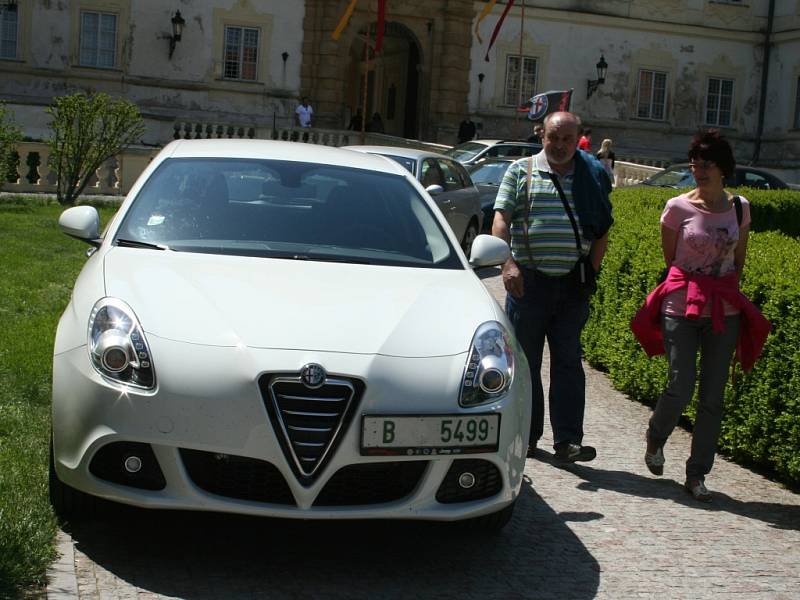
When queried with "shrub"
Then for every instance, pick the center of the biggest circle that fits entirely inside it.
(87, 131)
(762, 418)
(10, 136)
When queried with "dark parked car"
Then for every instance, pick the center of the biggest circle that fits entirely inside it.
(487, 175)
(679, 175)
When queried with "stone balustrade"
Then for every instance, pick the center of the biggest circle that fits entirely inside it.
(117, 175)
(628, 173)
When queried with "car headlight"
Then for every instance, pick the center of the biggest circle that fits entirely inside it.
(117, 346)
(490, 367)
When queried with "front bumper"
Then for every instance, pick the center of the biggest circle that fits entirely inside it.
(207, 428)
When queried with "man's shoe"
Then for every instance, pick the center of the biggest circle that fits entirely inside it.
(697, 488)
(655, 462)
(568, 452)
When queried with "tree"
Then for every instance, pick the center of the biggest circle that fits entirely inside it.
(10, 136)
(87, 131)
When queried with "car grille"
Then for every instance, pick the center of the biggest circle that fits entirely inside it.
(372, 483)
(488, 481)
(309, 423)
(237, 477)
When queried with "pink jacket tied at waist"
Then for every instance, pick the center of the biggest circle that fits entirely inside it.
(701, 289)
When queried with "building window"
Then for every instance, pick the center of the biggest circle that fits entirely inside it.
(797, 106)
(520, 79)
(98, 39)
(8, 31)
(241, 53)
(652, 95)
(719, 102)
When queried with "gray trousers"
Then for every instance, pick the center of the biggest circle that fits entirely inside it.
(682, 340)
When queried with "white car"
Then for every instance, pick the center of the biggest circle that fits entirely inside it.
(265, 333)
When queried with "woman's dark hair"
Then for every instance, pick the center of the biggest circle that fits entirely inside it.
(710, 145)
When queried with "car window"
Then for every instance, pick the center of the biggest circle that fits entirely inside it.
(452, 178)
(677, 176)
(430, 173)
(489, 173)
(466, 151)
(754, 180)
(409, 164)
(286, 209)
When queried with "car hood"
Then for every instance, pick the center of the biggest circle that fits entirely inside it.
(303, 305)
(487, 193)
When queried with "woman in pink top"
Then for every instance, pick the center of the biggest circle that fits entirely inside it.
(701, 235)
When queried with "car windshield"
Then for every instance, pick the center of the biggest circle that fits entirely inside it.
(465, 151)
(675, 177)
(285, 209)
(490, 173)
(409, 164)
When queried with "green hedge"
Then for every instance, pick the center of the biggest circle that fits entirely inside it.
(761, 426)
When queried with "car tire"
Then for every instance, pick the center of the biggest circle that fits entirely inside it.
(67, 502)
(469, 237)
(493, 522)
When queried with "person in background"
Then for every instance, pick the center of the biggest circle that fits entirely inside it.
(699, 308)
(536, 136)
(607, 158)
(548, 278)
(376, 124)
(355, 120)
(585, 143)
(303, 113)
(466, 130)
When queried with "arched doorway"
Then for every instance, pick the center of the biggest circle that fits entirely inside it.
(392, 79)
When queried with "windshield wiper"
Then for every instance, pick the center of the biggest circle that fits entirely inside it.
(139, 244)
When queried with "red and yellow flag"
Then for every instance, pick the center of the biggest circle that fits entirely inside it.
(484, 13)
(497, 27)
(344, 20)
(381, 24)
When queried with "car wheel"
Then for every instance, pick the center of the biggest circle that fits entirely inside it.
(493, 522)
(67, 502)
(469, 237)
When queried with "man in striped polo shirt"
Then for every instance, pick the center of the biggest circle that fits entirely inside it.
(547, 297)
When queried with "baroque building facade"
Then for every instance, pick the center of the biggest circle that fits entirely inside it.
(673, 66)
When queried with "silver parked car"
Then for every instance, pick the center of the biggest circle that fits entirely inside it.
(447, 181)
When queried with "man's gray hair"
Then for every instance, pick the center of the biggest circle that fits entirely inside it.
(550, 117)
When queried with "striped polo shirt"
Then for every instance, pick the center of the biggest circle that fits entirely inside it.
(550, 234)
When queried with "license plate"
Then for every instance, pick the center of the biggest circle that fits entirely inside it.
(429, 434)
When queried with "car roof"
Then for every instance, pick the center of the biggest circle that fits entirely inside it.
(278, 150)
(414, 153)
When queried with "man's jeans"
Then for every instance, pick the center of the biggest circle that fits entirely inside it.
(682, 339)
(552, 308)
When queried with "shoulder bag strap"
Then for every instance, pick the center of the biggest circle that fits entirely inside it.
(569, 214)
(528, 207)
(737, 204)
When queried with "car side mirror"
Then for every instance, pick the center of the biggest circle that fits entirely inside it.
(488, 251)
(434, 190)
(83, 223)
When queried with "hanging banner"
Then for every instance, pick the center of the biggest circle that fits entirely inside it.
(541, 105)
(344, 20)
(497, 27)
(379, 27)
(484, 13)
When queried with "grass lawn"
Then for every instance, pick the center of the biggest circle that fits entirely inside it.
(38, 266)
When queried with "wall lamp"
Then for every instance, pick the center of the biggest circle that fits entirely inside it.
(602, 67)
(177, 30)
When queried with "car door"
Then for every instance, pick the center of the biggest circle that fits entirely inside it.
(462, 196)
(430, 174)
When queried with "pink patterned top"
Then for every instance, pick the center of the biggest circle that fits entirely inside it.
(706, 245)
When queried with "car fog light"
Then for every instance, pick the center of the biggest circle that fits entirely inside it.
(492, 381)
(466, 480)
(133, 464)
